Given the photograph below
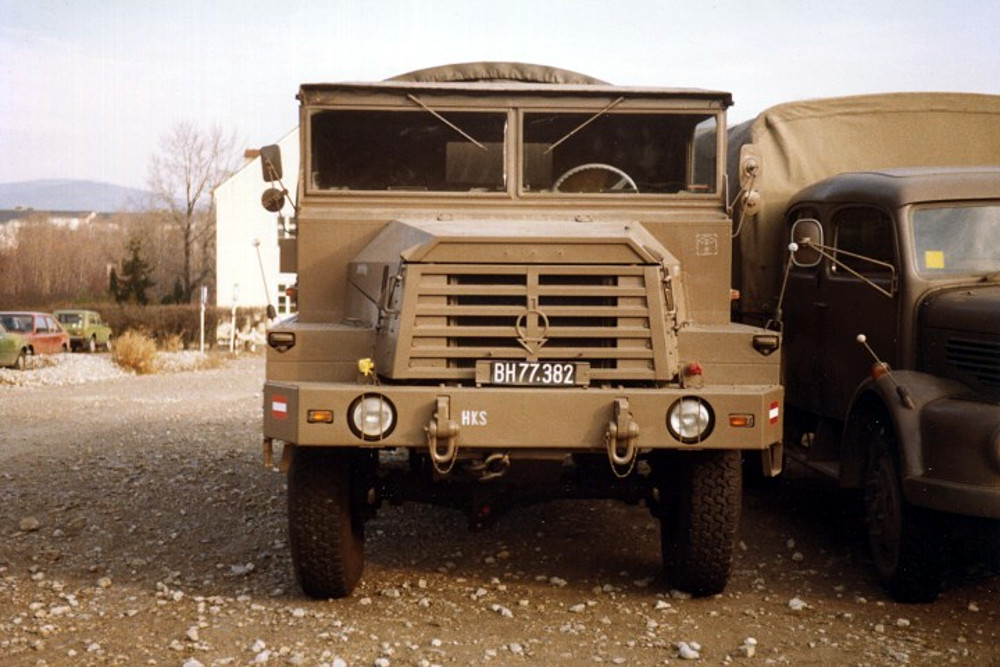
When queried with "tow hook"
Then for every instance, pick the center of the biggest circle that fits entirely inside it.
(439, 428)
(621, 438)
(492, 467)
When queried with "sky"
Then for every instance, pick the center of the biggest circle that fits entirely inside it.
(88, 90)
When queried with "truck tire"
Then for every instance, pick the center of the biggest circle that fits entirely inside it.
(326, 535)
(698, 528)
(92, 344)
(908, 544)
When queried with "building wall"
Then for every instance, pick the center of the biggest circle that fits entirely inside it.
(239, 220)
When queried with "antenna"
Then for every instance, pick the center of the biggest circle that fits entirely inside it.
(881, 368)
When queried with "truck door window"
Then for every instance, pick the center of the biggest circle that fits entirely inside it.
(659, 153)
(866, 232)
(404, 150)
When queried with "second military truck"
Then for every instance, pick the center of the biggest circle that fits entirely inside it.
(513, 285)
(889, 306)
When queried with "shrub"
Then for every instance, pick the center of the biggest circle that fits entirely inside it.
(172, 343)
(169, 325)
(135, 351)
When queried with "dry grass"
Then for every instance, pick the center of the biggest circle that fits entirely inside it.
(172, 343)
(136, 352)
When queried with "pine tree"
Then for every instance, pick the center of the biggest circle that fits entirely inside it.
(135, 278)
(114, 287)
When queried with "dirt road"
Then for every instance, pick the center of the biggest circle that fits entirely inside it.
(140, 527)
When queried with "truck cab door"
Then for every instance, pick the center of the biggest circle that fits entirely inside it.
(851, 291)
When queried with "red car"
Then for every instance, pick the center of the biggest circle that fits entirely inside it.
(43, 332)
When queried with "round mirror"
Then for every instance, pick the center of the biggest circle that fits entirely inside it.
(272, 199)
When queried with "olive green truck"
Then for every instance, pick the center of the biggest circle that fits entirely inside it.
(869, 235)
(513, 285)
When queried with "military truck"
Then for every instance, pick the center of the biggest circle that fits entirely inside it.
(884, 277)
(513, 286)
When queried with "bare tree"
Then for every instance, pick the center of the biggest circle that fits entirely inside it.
(44, 263)
(182, 177)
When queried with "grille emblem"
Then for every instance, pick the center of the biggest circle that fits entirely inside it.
(532, 328)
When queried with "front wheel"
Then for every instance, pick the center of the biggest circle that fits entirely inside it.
(326, 534)
(698, 527)
(92, 344)
(907, 542)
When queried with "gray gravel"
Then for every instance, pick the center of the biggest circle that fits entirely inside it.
(141, 527)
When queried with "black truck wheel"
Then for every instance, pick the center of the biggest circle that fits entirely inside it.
(699, 524)
(908, 544)
(326, 535)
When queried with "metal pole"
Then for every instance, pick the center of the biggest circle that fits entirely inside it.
(271, 313)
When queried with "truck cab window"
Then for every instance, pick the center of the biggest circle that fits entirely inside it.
(407, 151)
(619, 152)
(865, 232)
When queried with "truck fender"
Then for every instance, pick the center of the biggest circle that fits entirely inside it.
(877, 404)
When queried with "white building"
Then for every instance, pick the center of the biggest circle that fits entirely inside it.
(240, 221)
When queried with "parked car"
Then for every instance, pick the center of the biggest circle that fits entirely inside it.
(87, 330)
(13, 349)
(43, 332)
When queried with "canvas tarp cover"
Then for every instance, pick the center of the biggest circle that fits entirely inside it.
(799, 143)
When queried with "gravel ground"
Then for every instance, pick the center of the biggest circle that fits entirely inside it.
(141, 528)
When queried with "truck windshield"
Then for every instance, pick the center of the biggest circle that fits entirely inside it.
(615, 152)
(440, 150)
(957, 239)
(408, 150)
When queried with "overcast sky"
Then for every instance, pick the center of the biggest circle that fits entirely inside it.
(88, 89)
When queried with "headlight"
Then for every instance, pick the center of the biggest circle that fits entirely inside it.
(690, 420)
(372, 416)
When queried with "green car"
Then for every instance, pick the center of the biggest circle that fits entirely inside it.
(87, 331)
(13, 349)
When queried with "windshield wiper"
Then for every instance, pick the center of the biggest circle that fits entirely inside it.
(585, 123)
(415, 100)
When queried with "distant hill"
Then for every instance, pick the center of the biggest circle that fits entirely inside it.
(70, 195)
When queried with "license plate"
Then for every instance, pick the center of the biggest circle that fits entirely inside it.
(533, 373)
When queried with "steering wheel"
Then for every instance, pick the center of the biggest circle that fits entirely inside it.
(595, 177)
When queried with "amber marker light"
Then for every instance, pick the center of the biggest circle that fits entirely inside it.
(319, 416)
(879, 369)
(741, 421)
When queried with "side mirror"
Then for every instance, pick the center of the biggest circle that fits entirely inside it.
(270, 163)
(807, 237)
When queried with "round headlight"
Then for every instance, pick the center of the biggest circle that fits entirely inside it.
(690, 420)
(372, 416)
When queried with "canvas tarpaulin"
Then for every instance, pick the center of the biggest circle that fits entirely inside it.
(799, 143)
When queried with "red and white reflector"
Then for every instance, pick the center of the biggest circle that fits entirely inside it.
(279, 407)
(773, 413)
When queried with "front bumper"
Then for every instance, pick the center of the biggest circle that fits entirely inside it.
(510, 418)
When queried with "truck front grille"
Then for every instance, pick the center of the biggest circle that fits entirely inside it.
(611, 317)
(979, 358)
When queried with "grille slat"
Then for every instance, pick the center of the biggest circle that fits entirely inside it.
(517, 352)
(611, 317)
(514, 311)
(980, 358)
